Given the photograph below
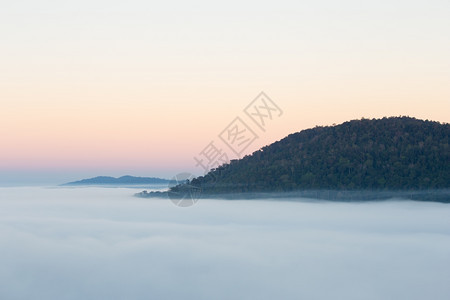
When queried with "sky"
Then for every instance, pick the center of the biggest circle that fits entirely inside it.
(93, 243)
(142, 87)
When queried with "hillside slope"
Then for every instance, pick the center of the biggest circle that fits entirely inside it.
(388, 154)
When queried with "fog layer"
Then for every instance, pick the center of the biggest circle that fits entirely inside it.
(94, 243)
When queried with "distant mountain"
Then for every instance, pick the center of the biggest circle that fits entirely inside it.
(124, 180)
(397, 153)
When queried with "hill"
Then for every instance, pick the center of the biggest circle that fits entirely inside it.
(124, 180)
(397, 153)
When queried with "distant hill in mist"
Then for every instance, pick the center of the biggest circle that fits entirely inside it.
(124, 180)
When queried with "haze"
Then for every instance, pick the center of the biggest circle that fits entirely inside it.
(93, 243)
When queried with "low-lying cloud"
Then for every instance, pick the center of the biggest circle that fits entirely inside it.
(93, 243)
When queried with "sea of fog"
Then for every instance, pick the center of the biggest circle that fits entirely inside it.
(103, 243)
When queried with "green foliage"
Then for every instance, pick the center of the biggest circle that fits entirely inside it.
(388, 153)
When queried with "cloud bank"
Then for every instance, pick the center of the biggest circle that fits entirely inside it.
(93, 243)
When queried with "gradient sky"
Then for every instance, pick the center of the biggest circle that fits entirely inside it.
(141, 87)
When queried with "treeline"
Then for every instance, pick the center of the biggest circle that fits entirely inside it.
(395, 153)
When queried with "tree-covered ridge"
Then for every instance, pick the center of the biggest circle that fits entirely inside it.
(390, 153)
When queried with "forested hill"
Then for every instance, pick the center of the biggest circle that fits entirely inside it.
(395, 153)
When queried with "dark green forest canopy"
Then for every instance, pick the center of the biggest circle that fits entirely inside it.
(394, 153)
